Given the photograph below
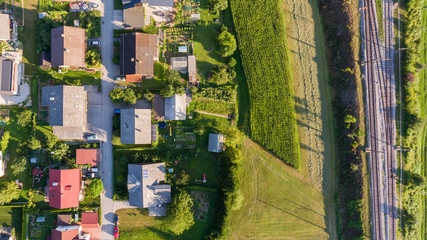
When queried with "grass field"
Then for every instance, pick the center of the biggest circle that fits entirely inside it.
(28, 34)
(313, 98)
(280, 202)
(12, 217)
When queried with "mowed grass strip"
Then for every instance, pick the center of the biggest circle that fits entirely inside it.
(12, 217)
(279, 202)
(262, 43)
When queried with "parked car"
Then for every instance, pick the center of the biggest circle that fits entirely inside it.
(116, 232)
(91, 137)
(116, 219)
(94, 5)
(94, 43)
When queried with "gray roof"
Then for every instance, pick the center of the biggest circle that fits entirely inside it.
(6, 69)
(145, 189)
(154, 3)
(179, 64)
(4, 26)
(176, 107)
(216, 143)
(135, 126)
(67, 110)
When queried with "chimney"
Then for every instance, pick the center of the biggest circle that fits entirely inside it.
(132, 59)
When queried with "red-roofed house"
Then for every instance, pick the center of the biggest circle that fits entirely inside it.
(87, 156)
(64, 188)
(90, 220)
(66, 232)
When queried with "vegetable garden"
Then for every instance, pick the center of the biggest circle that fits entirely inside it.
(260, 30)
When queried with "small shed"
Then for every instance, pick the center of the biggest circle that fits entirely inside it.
(216, 142)
(182, 49)
(33, 160)
(43, 15)
(41, 219)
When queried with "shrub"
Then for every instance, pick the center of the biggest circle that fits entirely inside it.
(129, 96)
(4, 142)
(180, 215)
(218, 5)
(227, 42)
(93, 58)
(95, 188)
(19, 165)
(24, 118)
(91, 21)
(116, 95)
(8, 192)
(34, 143)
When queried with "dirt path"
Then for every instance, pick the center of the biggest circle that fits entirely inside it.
(313, 100)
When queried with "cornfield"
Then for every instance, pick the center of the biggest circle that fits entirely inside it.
(262, 43)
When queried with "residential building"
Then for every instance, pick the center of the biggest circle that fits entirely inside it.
(67, 110)
(216, 142)
(69, 232)
(88, 229)
(145, 186)
(64, 188)
(10, 72)
(7, 233)
(68, 47)
(133, 17)
(5, 27)
(138, 53)
(158, 108)
(176, 107)
(138, 13)
(179, 64)
(136, 127)
(86, 156)
(192, 69)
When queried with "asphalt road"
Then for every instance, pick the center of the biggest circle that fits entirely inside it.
(380, 106)
(107, 76)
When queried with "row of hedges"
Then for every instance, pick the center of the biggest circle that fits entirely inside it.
(340, 23)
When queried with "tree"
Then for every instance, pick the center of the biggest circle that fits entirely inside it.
(19, 165)
(93, 58)
(227, 42)
(5, 141)
(51, 140)
(233, 137)
(95, 188)
(180, 215)
(182, 178)
(349, 120)
(167, 91)
(220, 76)
(129, 97)
(116, 95)
(199, 129)
(232, 62)
(8, 192)
(219, 5)
(149, 96)
(24, 118)
(173, 78)
(60, 151)
(34, 143)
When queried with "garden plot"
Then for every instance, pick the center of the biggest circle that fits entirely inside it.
(179, 42)
(201, 205)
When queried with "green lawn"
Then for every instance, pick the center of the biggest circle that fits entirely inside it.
(135, 224)
(205, 48)
(69, 77)
(28, 34)
(12, 217)
(279, 203)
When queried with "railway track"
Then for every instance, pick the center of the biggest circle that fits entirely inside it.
(380, 106)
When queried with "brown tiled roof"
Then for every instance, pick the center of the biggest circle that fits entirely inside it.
(133, 78)
(138, 53)
(63, 219)
(90, 220)
(87, 156)
(68, 47)
(158, 108)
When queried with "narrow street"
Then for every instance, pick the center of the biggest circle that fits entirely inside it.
(107, 75)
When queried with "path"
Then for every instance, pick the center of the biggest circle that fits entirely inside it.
(212, 114)
(107, 71)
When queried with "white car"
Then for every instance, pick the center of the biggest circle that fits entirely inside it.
(94, 5)
(94, 43)
(91, 137)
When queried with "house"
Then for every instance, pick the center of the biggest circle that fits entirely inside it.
(2, 165)
(138, 53)
(88, 229)
(68, 47)
(145, 186)
(7, 233)
(142, 11)
(11, 72)
(176, 107)
(63, 219)
(67, 110)
(179, 64)
(136, 127)
(64, 188)
(69, 232)
(90, 225)
(5, 27)
(216, 143)
(88, 156)
(192, 69)
(158, 108)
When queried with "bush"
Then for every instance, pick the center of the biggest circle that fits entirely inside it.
(8, 192)
(218, 5)
(19, 165)
(227, 42)
(34, 143)
(129, 96)
(91, 21)
(180, 214)
(24, 118)
(232, 62)
(93, 58)
(116, 95)
(220, 76)
(4, 142)
(95, 188)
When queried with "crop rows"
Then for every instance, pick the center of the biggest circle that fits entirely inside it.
(261, 35)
